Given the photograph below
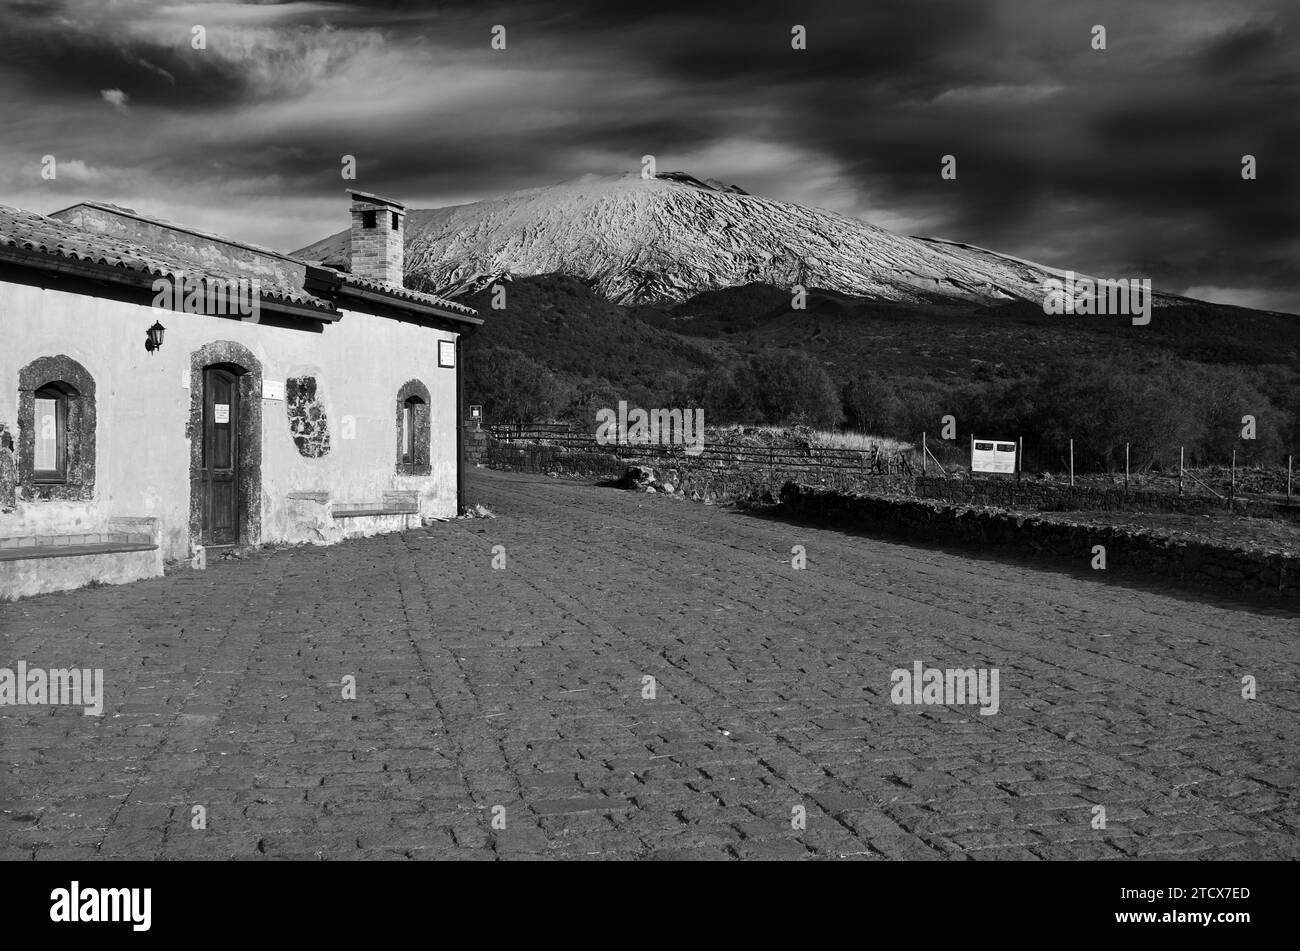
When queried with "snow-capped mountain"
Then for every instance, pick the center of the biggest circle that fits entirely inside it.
(668, 238)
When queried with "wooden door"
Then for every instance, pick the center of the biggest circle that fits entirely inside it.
(221, 489)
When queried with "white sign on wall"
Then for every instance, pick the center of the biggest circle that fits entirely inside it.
(993, 455)
(273, 389)
(221, 412)
(446, 353)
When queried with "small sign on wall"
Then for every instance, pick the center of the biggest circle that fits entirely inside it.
(992, 455)
(447, 353)
(273, 389)
(221, 412)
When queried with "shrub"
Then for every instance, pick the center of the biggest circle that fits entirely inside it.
(511, 386)
(793, 389)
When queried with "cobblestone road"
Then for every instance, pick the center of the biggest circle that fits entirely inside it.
(522, 688)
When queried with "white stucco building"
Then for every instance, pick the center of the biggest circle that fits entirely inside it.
(282, 401)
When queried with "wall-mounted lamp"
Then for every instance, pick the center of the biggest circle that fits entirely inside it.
(154, 337)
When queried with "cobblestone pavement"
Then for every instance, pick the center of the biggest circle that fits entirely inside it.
(522, 688)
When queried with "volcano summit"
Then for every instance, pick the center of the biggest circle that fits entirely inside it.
(668, 238)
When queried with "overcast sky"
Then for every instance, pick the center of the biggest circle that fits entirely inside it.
(1120, 163)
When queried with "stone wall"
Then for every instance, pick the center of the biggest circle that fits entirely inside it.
(702, 479)
(1193, 564)
(595, 465)
(1033, 495)
(476, 441)
(308, 419)
(8, 470)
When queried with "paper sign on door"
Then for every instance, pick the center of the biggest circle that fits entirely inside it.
(222, 412)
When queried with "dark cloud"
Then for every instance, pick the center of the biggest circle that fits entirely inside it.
(1123, 161)
(1239, 49)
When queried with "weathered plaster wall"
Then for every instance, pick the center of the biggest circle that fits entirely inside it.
(143, 408)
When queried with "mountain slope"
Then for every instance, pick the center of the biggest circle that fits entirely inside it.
(668, 238)
(560, 322)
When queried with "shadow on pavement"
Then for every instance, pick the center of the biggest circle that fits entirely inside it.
(1256, 603)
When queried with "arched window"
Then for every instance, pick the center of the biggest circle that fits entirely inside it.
(410, 412)
(413, 428)
(50, 435)
(56, 419)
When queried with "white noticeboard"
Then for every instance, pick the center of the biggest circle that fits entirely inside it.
(272, 390)
(447, 353)
(993, 455)
(221, 412)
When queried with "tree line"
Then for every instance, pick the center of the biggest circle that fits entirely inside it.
(1154, 404)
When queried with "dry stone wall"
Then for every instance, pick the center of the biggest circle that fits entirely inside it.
(1033, 495)
(1193, 564)
(702, 479)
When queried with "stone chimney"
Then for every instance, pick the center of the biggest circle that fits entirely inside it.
(377, 238)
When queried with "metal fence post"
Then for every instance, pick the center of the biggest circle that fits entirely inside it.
(1126, 467)
(1180, 470)
(1071, 462)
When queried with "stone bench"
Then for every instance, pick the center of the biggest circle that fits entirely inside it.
(36, 564)
(362, 509)
(316, 517)
(394, 503)
(69, 546)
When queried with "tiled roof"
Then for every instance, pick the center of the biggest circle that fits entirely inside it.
(29, 231)
(405, 293)
(278, 276)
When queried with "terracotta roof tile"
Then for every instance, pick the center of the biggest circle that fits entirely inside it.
(405, 293)
(56, 237)
(33, 232)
